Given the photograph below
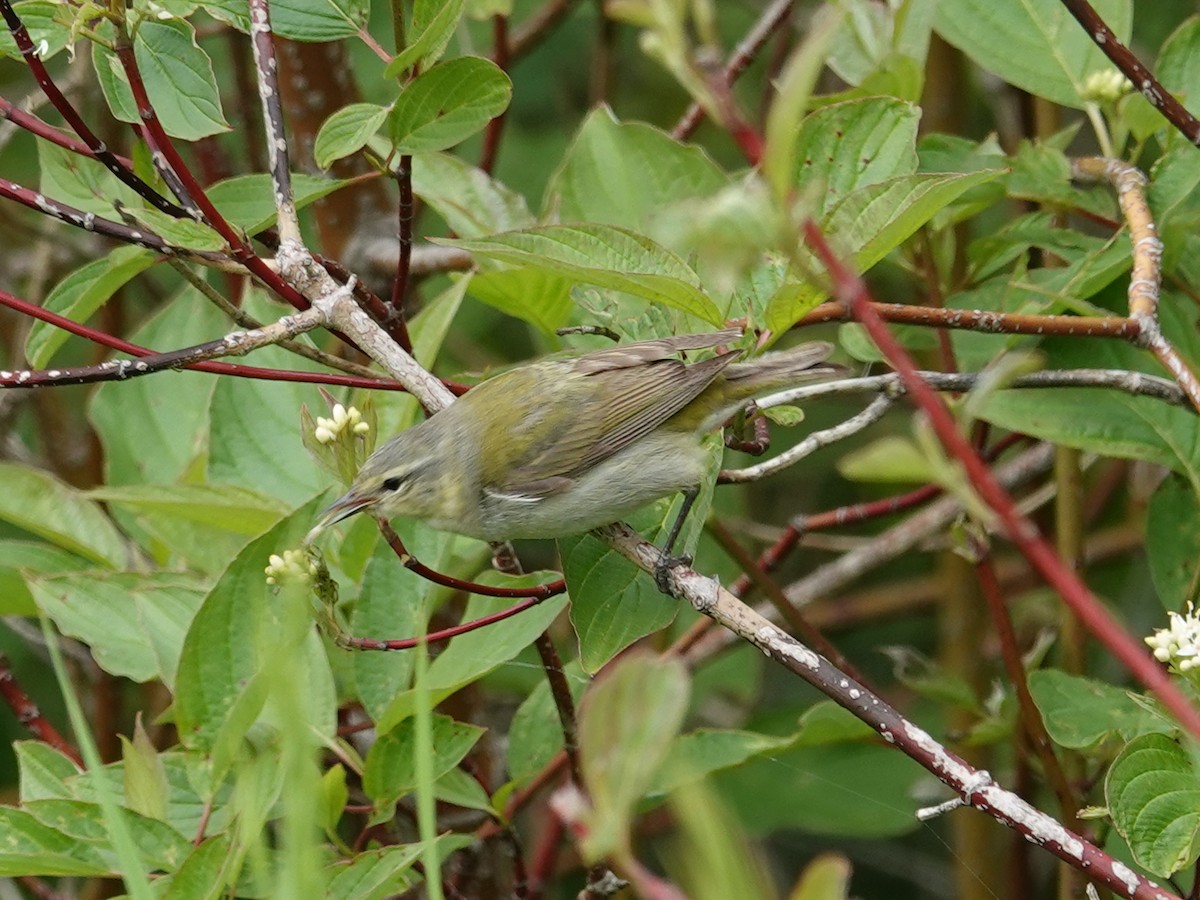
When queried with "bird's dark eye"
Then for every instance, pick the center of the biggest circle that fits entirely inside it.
(393, 483)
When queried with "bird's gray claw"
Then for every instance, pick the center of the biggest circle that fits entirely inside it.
(662, 569)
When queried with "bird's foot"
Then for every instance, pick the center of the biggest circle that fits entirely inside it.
(662, 569)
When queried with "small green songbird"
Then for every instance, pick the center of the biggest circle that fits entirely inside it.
(564, 445)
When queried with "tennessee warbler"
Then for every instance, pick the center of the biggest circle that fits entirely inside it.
(564, 445)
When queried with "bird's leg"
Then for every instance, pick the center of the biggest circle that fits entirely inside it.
(666, 562)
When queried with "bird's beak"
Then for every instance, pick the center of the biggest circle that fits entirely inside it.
(342, 508)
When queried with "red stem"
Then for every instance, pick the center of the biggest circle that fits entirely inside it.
(1021, 531)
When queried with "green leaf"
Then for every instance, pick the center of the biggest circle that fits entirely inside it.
(226, 506)
(146, 784)
(153, 429)
(889, 459)
(627, 722)
(623, 173)
(873, 220)
(447, 104)
(825, 790)
(221, 685)
(248, 201)
(394, 603)
(299, 20)
(204, 873)
(347, 131)
(699, 753)
(134, 624)
(461, 789)
(44, 772)
(254, 440)
(1153, 793)
(178, 76)
(390, 772)
(32, 848)
(472, 655)
(22, 559)
(383, 873)
(543, 299)
(536, 731)
(471, 202)
(47, 34)
(1173, 541)
(857, 143)
(1034, 44)
(1081, 712)
(433, 24)
(1177, 62)
(159, 845)
(605, 256)
(41, 504)
(81, 182)
(614, 603)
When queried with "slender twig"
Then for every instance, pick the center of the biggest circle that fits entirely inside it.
(89, 221)
(96, 147)
(30, 716)
(267, 70)
(1030, 715)
(495, 128)
(973, 786)
(770, 589)
(244, 320)
(875, 411)
(161, 141)
(115, 371)
(983, 320)
(537, 28)
(1135, 383)
(351, 642)
(1141, 77)
(853, 291)
(538, 591)
(772, 18)
(404, 221)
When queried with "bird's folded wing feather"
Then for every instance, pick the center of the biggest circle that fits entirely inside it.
(639, 387)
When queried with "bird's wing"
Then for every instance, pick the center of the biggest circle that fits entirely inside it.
(625, 394)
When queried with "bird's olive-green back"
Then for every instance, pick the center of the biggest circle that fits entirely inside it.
(582, 411)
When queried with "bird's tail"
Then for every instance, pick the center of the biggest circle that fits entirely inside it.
(779, 370)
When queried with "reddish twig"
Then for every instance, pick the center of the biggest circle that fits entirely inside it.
(538, 27)
(404, 219)
(435, 637)
(537, 592)
(983, 320)
(495, 128)
(115, 371)
(1141, 77)
(1030, 715)
(773, 17)
(161, 141)
(38, 128)
(96, 148)
(30, 716)
(853, 293)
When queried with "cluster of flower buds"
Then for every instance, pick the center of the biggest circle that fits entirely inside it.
(1106, 86)
(292, 565)
(327, 430)
(1179, 644)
